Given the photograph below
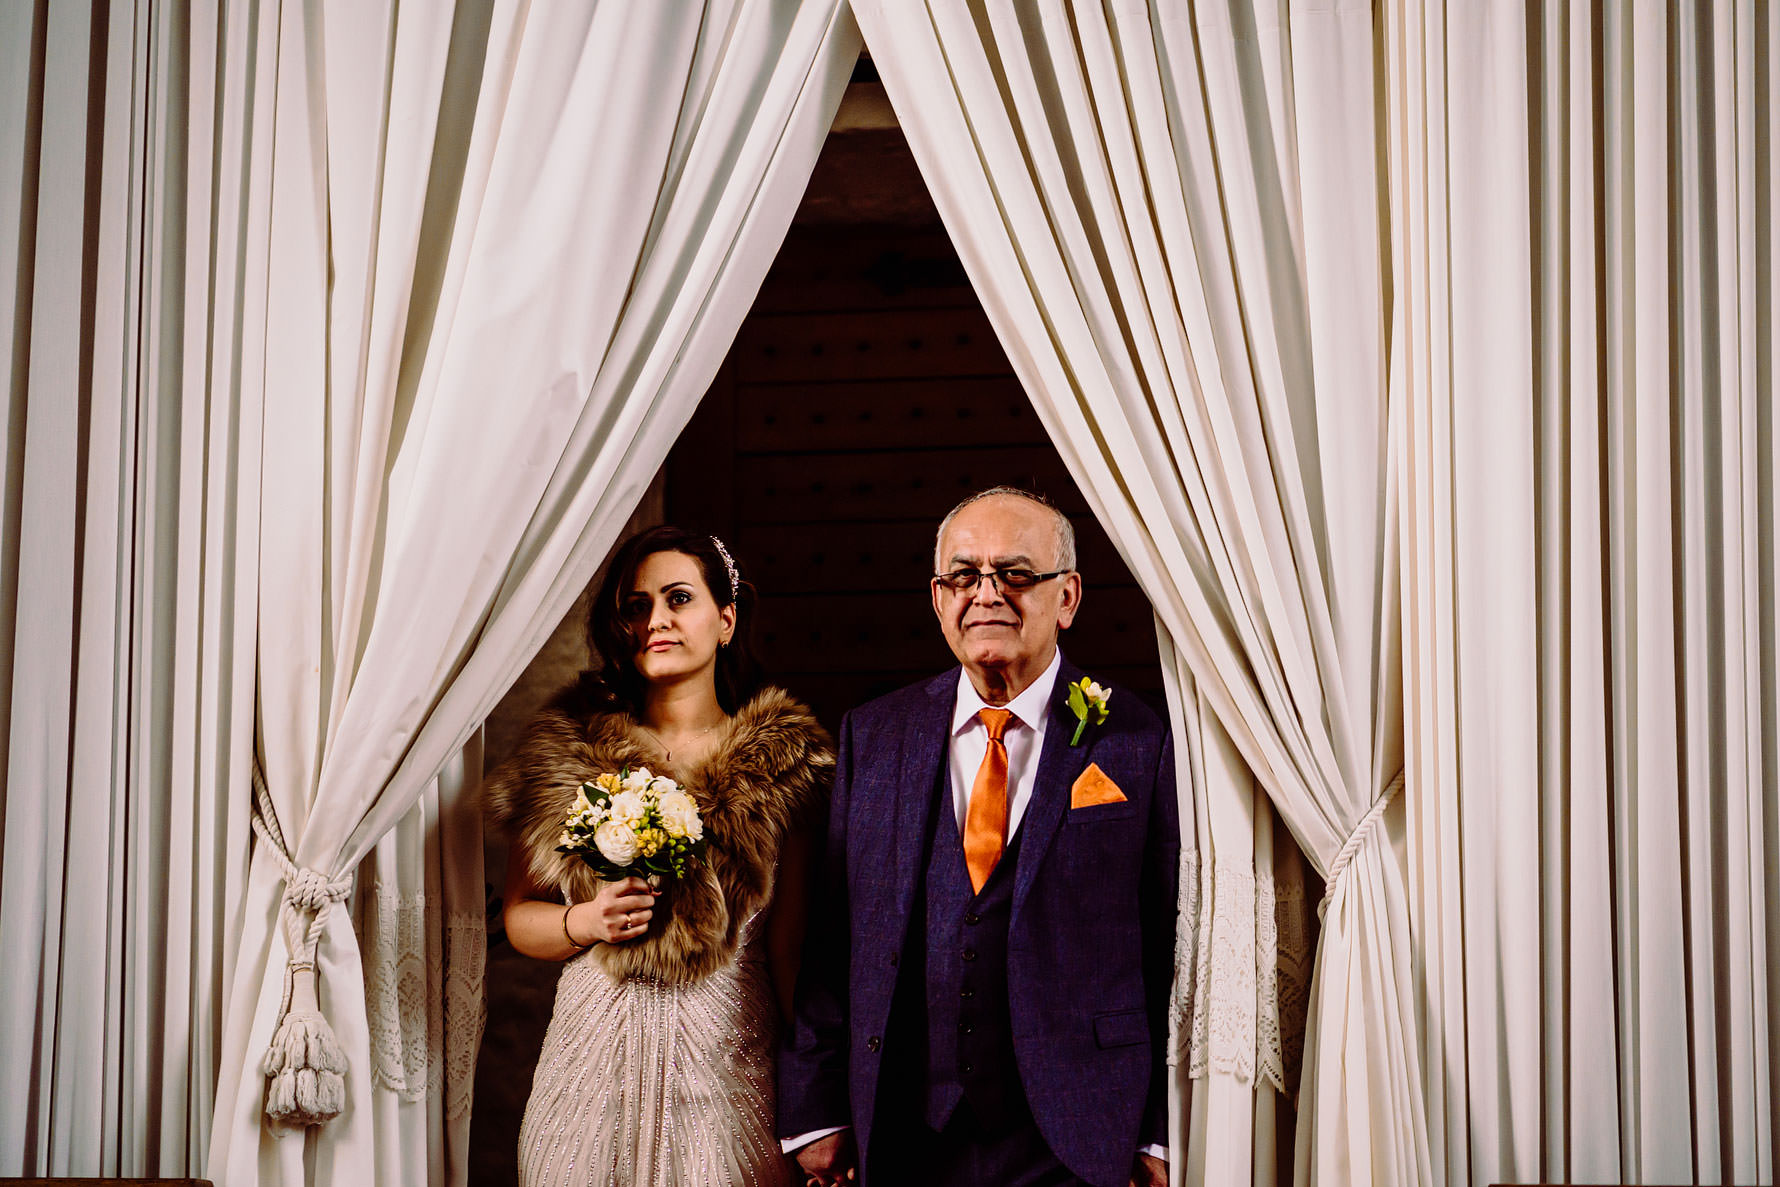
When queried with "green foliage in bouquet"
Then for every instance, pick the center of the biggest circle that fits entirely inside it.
(633, 824)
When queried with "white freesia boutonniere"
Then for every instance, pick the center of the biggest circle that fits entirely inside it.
(1087, 700)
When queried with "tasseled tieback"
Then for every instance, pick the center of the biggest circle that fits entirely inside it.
(304, 1065)
(1355, 839)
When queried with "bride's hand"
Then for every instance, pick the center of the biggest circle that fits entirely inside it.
(619, 912)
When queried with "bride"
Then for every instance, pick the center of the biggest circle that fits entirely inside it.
(658, 1064)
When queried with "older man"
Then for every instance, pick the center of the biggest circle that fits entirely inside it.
(984, 986)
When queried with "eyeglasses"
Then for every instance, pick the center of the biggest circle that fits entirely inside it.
(965, 580)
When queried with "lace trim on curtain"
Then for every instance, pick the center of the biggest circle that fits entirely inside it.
(1269, 1060)
(1242, 975)
(1186, 949)
(466, 1006)
(423, 997)
(1282, 973)
(1224, 1015)
(1297, 960)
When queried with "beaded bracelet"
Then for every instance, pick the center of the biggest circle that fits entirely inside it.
(565, 931)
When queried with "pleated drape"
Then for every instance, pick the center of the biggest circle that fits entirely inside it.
(139, 205)
(1582, 212)
(1243, 961)
(127, 595)
(501, 292)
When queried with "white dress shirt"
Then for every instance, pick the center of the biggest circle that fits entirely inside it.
(1024, 738)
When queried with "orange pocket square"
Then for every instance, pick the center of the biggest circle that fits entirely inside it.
(1094, 788)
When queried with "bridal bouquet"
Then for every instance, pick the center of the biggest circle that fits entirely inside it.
(633, 824)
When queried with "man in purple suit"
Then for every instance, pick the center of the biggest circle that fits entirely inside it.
(984, 989)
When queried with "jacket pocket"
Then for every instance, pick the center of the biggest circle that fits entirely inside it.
(1101, 813)
(1122, 1028)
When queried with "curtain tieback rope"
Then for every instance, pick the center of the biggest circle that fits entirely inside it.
(304, 1065)
(1364, 829)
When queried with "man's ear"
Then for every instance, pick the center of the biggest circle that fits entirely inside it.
(939, 612)
(1072, 600)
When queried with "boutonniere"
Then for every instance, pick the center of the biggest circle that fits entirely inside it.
(1087, 700)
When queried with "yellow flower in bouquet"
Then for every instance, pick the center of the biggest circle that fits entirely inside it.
(633, 824)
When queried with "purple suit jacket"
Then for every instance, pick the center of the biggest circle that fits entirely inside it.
(1091, 938)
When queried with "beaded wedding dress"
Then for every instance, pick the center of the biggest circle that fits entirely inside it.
(656, 1085)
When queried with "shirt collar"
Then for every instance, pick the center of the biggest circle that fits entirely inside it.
(1028, 708)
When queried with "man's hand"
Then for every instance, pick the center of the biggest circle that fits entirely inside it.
(1149, 1171)
(831, 1160)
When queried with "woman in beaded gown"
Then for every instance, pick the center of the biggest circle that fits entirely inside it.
(657, 1068)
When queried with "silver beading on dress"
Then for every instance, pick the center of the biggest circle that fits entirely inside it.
(657, 1085)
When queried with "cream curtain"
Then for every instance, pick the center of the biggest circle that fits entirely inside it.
(418, 915)
(1583, 235)
(1171, 213)
(131, 532)
(1243, 952)
(248, 253)
(506, 343)
(131, 187)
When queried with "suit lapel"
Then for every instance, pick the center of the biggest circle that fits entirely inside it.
(925, 733)
(1059, 765)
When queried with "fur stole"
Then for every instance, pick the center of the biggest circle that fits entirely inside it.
(769, 773)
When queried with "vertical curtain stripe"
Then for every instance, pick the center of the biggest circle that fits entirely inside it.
(1617, 1028)
(129, 716)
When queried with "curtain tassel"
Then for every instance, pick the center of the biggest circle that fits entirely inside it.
(1364, 829)
(304, 1064)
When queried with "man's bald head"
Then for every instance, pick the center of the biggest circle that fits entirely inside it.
(1065, 555)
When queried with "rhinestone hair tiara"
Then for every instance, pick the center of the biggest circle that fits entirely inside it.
(735, 582)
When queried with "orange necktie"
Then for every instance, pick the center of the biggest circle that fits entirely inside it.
(985, 821)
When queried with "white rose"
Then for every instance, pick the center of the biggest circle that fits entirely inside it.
(1097, 693)
(627, 808)
(679, 815)
(637, 778)
(617, 842)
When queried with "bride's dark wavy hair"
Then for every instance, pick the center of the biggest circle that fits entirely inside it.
(739, 674)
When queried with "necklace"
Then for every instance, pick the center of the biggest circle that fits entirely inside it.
(659, 741)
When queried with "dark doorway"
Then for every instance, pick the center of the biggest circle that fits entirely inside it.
(865, 395)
